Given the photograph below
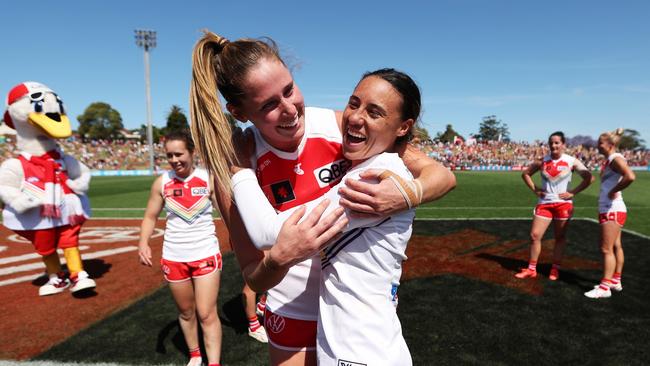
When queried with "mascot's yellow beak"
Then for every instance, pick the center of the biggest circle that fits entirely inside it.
(55, 125)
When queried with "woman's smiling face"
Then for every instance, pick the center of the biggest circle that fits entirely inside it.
(372, 119)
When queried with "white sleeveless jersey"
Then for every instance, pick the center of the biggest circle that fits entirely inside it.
(189, 232)
(556, 176)
(290, 179)
(608, 180)
(358, 323)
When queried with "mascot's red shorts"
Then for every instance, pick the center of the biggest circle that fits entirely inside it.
(46, 241)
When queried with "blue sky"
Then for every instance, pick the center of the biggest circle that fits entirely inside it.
(578, 66)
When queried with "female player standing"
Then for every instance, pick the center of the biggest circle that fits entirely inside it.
(191, 260)
(555, 201)
(615, 175)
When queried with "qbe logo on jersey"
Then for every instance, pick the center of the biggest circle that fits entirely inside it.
(329, 173)
(200, 191)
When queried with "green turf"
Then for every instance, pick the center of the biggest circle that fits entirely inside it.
(447, 319)
(477, 195)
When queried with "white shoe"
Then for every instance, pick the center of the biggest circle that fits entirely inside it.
(195, 361)
(55, 285)
(617, 287)
(259, 335)
(598, 293)
(82, 282)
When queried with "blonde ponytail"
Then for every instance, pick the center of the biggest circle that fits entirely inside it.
(614, 137)
(210, 128)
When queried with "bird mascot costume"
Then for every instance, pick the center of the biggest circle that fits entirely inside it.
(43, 189)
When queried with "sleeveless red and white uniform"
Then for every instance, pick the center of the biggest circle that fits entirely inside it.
(189, 232)
(556, 176)
(290, 179)
(609, 209)
(34, 185)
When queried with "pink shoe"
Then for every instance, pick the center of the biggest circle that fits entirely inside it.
(526, 273)
(554, 275)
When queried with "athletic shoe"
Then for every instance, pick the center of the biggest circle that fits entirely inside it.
(259, 309)
(554, 275)
(259, 334)
(55, 285)
(82, 282)
(598, 293)
(526, 273)
(617, 287)
(195, 361)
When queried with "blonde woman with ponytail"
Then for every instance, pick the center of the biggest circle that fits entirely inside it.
(297, 154)
(615, 176)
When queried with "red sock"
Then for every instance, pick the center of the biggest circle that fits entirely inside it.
(195, 352)
(616, 279)
(532, 265)
(253, 323)
(214, 364)
(604, 284)
(555, 267)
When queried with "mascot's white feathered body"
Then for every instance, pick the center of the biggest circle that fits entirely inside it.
(43, 189)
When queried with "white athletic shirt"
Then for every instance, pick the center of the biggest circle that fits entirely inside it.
(608, 179)
(357, 318)
(289, 179)
(189, 232)
(556, 176)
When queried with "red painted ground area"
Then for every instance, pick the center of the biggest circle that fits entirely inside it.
(30, 324)
(478, 255)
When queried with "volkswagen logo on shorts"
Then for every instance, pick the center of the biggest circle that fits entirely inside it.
(275, 323)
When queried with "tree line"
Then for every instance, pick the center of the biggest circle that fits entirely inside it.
(493, 129)
(101, 121)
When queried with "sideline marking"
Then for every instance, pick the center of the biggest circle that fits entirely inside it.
(39, 265)
(24, 257)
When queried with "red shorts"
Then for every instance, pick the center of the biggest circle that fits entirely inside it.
(183, 271)
(554, 211)
(616, 216)
(46, 241)
(290, 334)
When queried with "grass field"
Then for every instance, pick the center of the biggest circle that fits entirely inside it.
(477, 195)
(459, 302)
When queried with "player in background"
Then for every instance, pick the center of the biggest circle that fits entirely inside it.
(191, 260)
(258, 87)
(615, 176)
(555, 203)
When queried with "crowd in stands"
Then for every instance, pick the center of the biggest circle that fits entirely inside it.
(100, 154)
(513, 154)
(133, 154)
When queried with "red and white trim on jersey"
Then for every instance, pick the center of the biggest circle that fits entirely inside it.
(189, 231)
(290, 179)
(608, 180)
(556, 176)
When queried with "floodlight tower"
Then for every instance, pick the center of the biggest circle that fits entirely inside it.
(146, 39)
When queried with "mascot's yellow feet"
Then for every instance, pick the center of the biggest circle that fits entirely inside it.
(55, 285)
(81, 281)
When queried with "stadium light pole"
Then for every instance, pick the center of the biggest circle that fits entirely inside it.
(146, 39)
